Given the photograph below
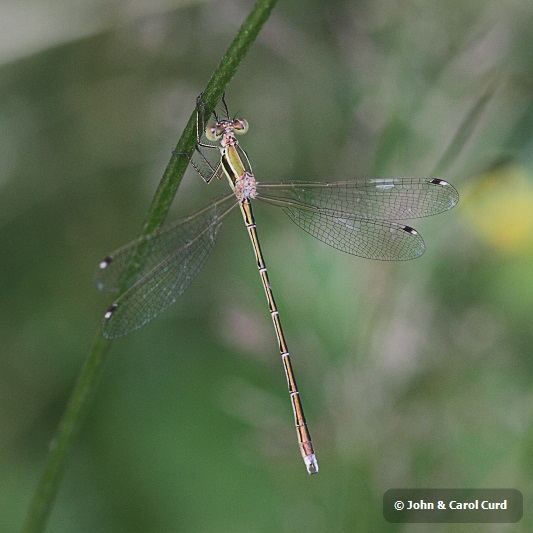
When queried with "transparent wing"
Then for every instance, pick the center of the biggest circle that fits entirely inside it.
(373, 239)
(170, 262)
(382, 199)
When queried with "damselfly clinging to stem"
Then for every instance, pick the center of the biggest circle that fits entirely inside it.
(357, 217)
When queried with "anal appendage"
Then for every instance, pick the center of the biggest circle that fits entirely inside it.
(311, 463)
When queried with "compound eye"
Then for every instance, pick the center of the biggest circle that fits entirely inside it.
(214, 133)
(240, 126)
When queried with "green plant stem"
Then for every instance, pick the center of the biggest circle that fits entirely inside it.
(465, 130)
(87, 381)
(71, 421)
(211, 95)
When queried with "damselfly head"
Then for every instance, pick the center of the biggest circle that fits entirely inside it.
(226, 128)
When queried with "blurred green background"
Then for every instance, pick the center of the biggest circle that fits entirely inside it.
(415, 374)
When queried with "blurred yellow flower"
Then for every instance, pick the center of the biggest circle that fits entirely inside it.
(499, 207)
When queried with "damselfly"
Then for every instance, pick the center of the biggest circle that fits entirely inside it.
(357, 217)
